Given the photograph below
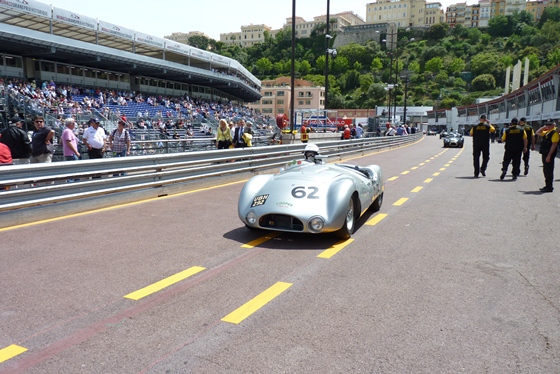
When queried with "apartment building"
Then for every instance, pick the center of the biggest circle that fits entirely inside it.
(336, 23)
(276, 95)
(404, 13)
(248, 36)
(183, 37)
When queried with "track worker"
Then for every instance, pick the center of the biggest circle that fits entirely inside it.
(304, 134)
(515, 140)
(548, 149)
(530, 142)
(481, 144)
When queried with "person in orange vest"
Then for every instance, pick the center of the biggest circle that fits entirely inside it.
(304, 134)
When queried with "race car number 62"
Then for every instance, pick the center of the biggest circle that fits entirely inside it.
(300, 192)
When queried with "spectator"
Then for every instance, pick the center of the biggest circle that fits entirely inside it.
(238, 140)
(5, 155)
(401, 130)
(248, 134)
(69, 141)
(94, 139)
(41, 142)
(120, 140)
(223, 137)
(359, 131)
(346, 134)
(17, 140)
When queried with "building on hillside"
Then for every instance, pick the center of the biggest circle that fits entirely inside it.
(337, 22)
(276, 96)
(248, 36)
(404, 13)
(485, 7)
(183, 37)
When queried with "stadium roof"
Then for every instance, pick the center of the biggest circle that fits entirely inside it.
(32, 30)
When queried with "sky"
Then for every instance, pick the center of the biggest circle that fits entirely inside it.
(212, 17)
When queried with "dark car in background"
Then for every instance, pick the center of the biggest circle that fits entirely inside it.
(453, 140)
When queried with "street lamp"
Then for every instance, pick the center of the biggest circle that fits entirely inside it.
(405, 74)
(390, 43)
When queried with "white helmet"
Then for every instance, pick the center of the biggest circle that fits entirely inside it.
(311, 147)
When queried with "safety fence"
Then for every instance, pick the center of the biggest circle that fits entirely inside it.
(39, 191)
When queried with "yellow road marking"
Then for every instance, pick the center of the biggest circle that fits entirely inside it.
(449, 164)
(158, 286)
(427, 161)
(441, 169)
(428, 180)
(405, 172)
(328, 253)
(259, 241)
(400, 202)
(417, 189)
(375, 220)
(392, 178)
(414, 168)
(422, 164)
(256, 303)
(435, 174)
(10, 352)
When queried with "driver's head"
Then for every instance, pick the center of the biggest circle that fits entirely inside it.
(311, 150)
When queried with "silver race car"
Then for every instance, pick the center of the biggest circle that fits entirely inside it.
(310, 196)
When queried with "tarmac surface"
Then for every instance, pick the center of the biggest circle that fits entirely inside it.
(453, 274)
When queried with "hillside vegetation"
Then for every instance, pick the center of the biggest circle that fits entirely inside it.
(446, 66)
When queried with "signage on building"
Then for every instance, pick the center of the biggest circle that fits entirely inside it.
(27, 6)
(75, 19)
(118, 31)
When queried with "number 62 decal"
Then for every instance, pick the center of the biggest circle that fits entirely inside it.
(301, 192)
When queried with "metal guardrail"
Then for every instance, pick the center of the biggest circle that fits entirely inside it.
(40, 191)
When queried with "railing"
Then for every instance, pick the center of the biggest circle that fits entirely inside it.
(40, 191)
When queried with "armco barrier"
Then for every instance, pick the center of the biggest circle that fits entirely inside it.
(40, 191)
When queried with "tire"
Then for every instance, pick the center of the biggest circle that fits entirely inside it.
(376, 205)
(349, 225)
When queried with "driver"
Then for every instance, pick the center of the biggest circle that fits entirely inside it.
(311, 150)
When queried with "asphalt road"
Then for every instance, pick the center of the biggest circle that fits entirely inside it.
(454, 274)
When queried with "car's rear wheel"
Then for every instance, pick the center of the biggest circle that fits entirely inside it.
(377, 203)
(349, 225)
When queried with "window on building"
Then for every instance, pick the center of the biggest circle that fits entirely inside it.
(280, 93)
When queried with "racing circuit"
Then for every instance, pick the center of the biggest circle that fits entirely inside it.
(453, 274)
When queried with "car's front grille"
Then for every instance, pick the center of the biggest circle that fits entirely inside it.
(281, 222)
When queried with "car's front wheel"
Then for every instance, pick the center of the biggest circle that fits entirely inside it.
(347, 228)
(377, 203)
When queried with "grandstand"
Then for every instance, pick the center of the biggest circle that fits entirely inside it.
(40, 43)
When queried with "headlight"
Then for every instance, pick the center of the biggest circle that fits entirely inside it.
(251, 217)
(316, 224)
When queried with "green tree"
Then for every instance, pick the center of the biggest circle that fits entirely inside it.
(484, 82)
(500, 26)
(437, 32)
(199, 41)
(550, 13)
(264, 65)
(456, 66)
(434, 65)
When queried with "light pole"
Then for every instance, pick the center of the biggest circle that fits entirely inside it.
(391, 44)
(406, 75)
(292, 80)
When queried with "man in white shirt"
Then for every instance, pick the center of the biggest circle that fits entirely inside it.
(94, 139)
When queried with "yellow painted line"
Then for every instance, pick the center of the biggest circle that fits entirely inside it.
(158, 286)
(328, 253)
(405, 172)
(401, 201)
(375, 220)
(427, 161)
(428, 180)
(422, 164)
(118, 206)
(393, 178)
(256, 303)
(260, 240)
(417, 189)
(436, 174)
(441, 169)
(10, 352)
(447, 165)
(414, 168)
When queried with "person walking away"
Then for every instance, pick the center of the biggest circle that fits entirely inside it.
(223, 137)
(515, 140)
(481, 145)
(120, 140)
(17, 140)
(238, 141)
(531, 140)
(94, 139)
(548, 149)
(248, 134)
(69, 141)
(40, 140)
